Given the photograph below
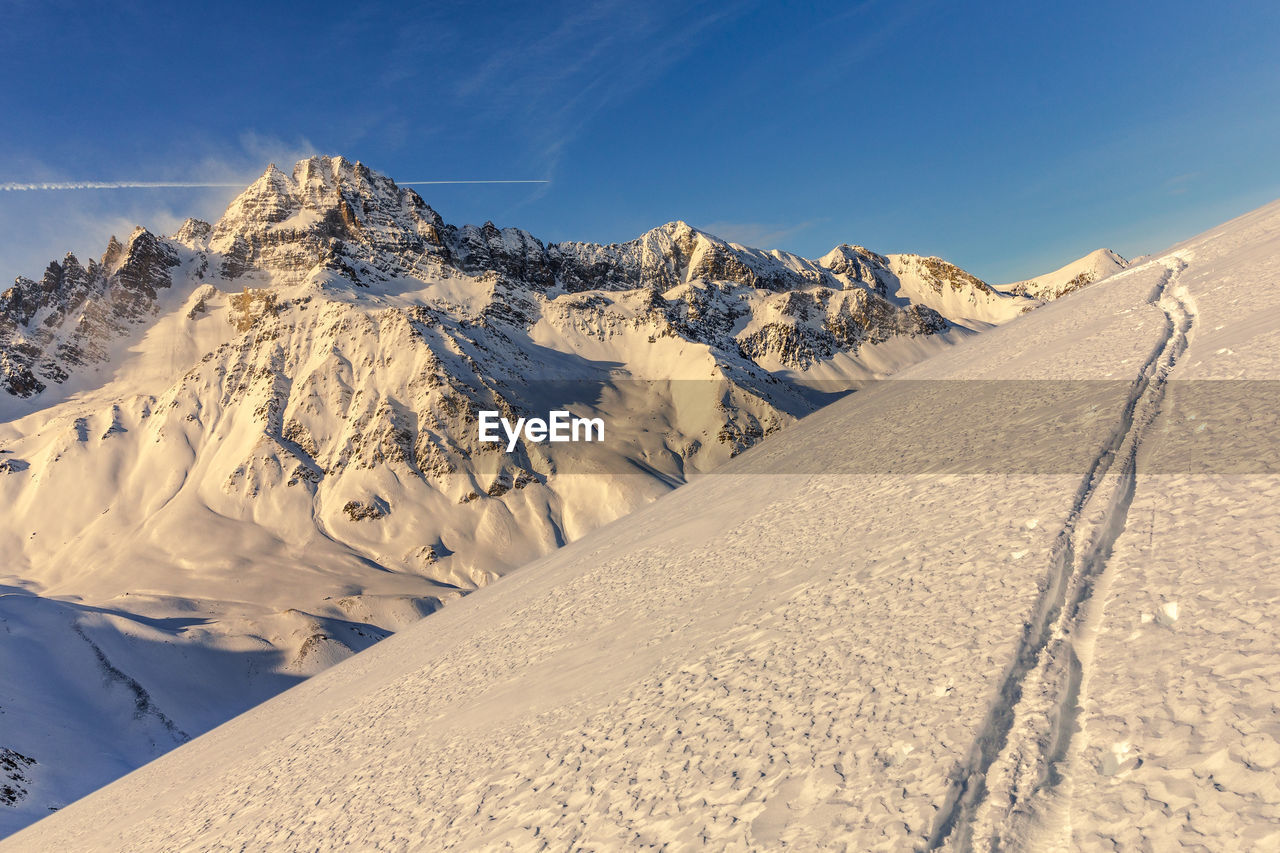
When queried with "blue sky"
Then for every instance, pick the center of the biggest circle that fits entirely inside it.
(1007, 137)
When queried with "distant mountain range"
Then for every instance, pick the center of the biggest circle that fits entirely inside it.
(232, 457)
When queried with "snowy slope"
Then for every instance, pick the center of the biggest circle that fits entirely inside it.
(233, 457)
(1081, 272)
(955, 293)
(944, 612)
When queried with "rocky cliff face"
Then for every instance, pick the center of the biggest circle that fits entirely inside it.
(67, 319)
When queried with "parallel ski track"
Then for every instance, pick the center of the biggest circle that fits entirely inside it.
(1047, 642)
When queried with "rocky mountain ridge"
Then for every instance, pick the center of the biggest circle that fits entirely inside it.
(332, 215)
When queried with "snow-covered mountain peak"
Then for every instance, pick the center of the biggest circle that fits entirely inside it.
(69, 317)
(329, 212)
(679, 230)
(930, 281)
(1081, 272)
(270, 199)
(194, 234)
(857, 263)
(939, 273)
(850, 251)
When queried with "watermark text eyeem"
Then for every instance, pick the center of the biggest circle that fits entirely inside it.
(559, 425)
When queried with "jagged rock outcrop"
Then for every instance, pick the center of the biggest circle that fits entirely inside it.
(69, 317)
(327, 213)
(14, 767)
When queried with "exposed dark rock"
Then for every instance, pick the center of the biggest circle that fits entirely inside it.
(13, 776)
(69, 317)
(374, 509)
(194, 233)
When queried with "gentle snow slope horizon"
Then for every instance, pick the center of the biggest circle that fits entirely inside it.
(1082, 658)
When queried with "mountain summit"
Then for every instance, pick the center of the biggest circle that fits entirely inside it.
(1082, 272)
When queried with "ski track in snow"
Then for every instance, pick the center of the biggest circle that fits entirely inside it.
(1028, 732)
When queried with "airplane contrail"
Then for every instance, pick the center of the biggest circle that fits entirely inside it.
(150, 185)
(423, 183)
(105, 185)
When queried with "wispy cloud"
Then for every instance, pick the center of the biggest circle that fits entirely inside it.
(862, 34)
(39, 228)
(241, 163)
(1179, 184)
(228, 166)
(431, 183)
(761, 235)
(546, 84)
